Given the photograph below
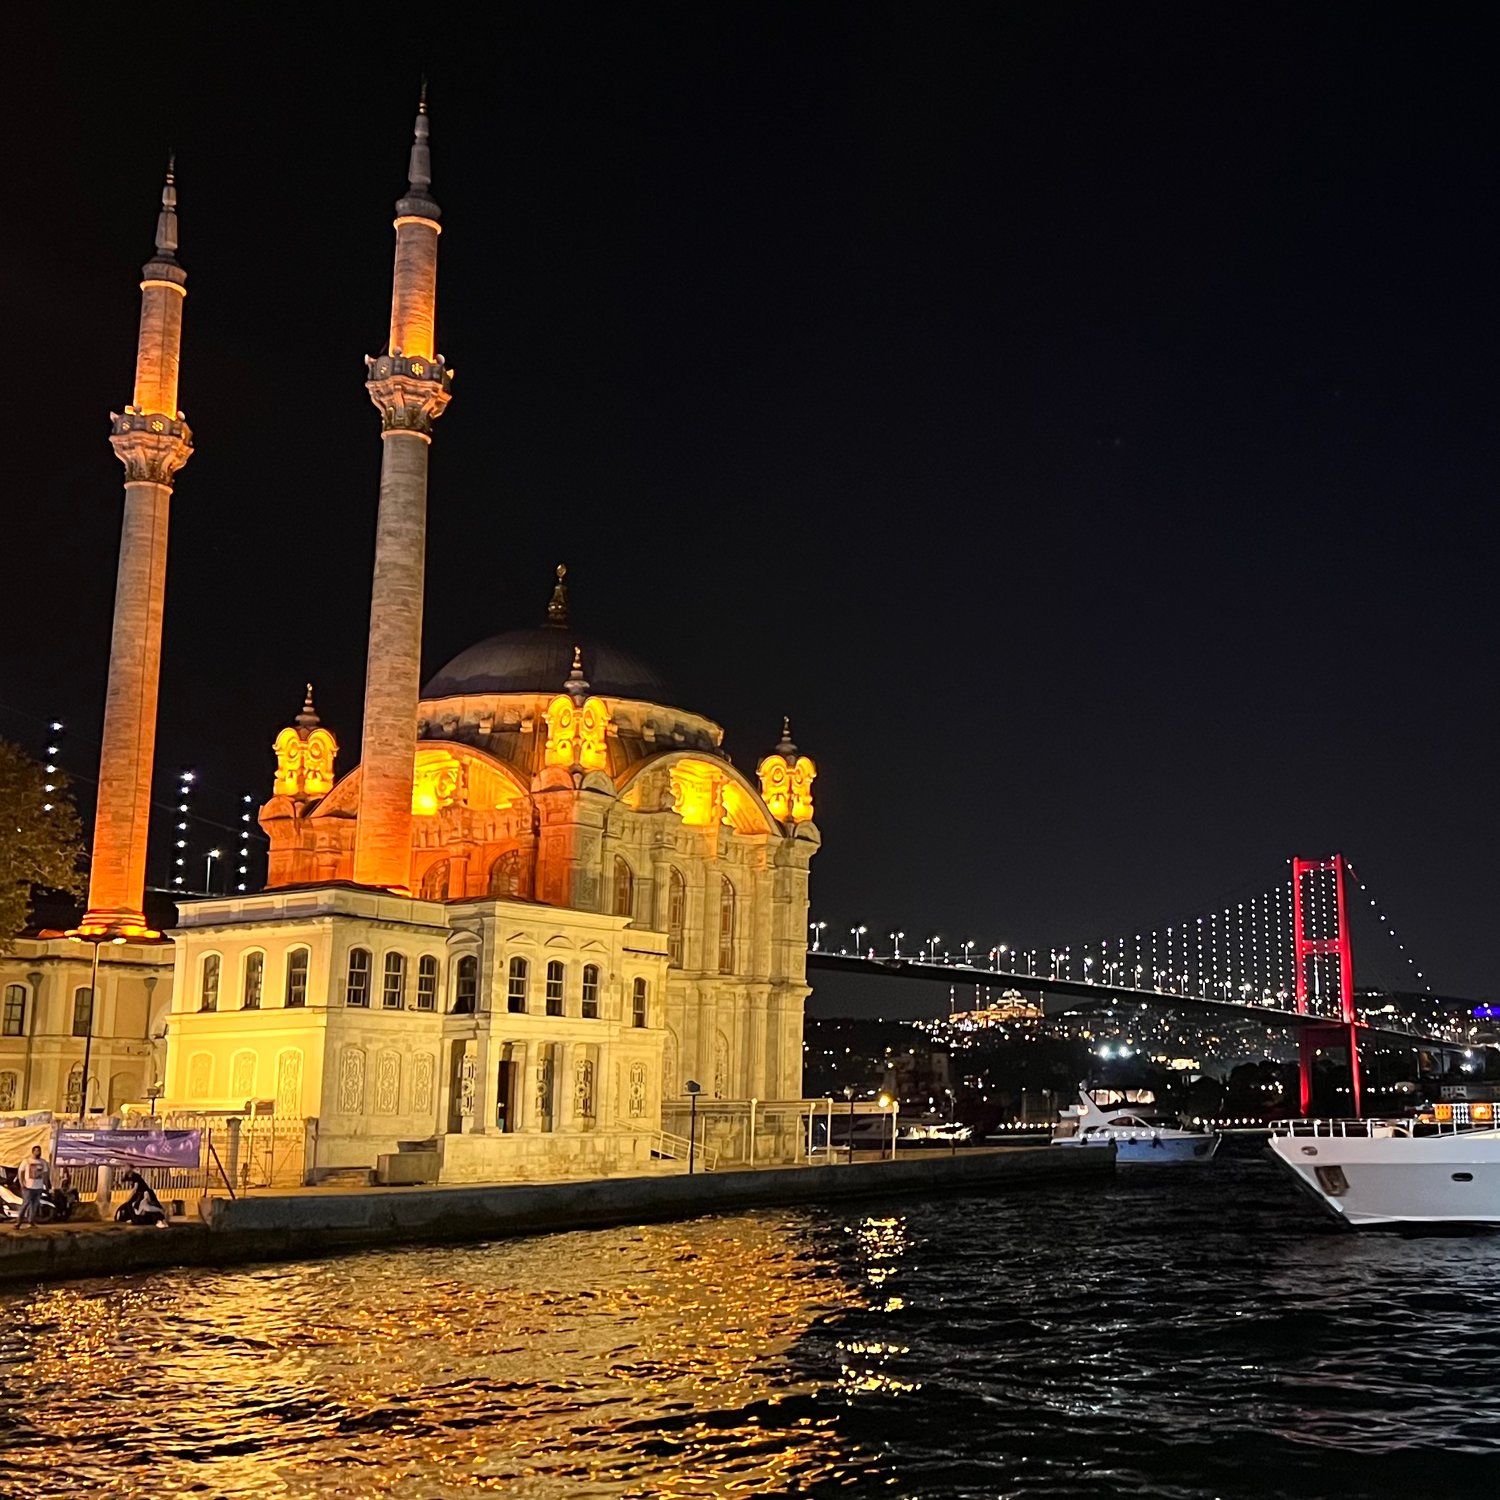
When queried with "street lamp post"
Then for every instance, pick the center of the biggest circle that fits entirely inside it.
(888, 1102)
(693, 1089)
(816, 928)
(857, 933)
(96, 939)
(896, 944)
(849, 1095)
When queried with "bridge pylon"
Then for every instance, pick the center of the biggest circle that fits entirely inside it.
(1320, 931)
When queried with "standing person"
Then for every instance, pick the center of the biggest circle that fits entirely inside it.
(35, 1177)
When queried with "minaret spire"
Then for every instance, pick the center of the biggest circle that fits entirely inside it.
(153, 441)
(410, 386)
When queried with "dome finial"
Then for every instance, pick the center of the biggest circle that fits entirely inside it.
(557, 606)
(577, 685)
(786, 748)
(308, 719)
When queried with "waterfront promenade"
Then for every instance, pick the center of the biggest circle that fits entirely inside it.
(312, 1221)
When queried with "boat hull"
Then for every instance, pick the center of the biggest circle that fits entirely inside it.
(1169, 1151)
(1370, 1181)
(1173, 1151)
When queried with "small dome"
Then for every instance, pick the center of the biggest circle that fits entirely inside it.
(538, 661)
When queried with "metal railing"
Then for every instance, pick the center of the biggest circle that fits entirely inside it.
(1444, 1119)
(671, 1147)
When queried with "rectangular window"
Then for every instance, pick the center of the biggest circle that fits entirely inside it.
(83, 1011)
(393, 990)
(208, 994)
(591, 992)
(296, 977)
(555, 979)
(427, 971)
(255, 974)
(357, 984)
(638, 1003)
(15, 1010)
(515, 986)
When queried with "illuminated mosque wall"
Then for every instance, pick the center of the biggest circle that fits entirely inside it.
(544, 902)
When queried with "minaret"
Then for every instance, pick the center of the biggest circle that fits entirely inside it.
(152, 440)
(409, 385)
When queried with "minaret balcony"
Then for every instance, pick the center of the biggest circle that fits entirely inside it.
(409, 392)
(152, 445)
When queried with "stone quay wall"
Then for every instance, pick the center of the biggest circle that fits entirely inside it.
(298, 1224)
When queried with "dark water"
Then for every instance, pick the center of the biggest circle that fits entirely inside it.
(1200, 1333)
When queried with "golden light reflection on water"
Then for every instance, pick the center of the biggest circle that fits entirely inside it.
(655, 1361)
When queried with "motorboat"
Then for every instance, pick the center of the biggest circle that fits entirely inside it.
(942, 1133)
(1140, 1136)
(1442, 1167)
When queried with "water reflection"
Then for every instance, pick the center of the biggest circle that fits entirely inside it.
(1175, 1336)
(634, 1362)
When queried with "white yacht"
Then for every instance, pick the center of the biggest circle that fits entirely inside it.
(1140, 1136)
(1443, 1168)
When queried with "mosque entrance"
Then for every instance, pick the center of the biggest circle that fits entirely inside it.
(505, 1096)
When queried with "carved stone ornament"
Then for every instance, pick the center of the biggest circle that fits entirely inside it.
(289, 1083)
(421, 1083)
(351, 1081)
(151, 445)
(409, 393)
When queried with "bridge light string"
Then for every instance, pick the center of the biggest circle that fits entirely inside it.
(1365, 891)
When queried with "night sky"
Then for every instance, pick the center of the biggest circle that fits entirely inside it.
(1078, 418)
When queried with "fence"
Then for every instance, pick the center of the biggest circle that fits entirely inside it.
(250, 1151)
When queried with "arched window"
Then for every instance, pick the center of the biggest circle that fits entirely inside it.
(591, 992)
(15, 1010)
(624, 905)
(357, 984)
(255, 976)
(435, 882)
(393, 989)
(676, 917)
(83, 1011)
(515, 987)
(638, 1003)
(466, 985)
(505, 874)
(296, 977)
(726, 926)
(427, 972)
(556, 975)
(208, 988)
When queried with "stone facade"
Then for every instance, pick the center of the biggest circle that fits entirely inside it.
(44, 987)
(507, 1033)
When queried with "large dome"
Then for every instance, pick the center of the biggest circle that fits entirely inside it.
(538, 661)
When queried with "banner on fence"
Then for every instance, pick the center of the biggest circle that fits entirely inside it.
(129, 1148)
(16, 1143)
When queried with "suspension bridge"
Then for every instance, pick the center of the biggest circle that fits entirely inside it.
(1282, 957)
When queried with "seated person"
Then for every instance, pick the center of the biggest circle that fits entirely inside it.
(142, 1206)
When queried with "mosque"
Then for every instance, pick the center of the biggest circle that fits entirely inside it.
(543, 911)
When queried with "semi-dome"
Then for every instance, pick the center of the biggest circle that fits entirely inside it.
(538, 661)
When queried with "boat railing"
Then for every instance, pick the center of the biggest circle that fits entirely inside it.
(1442, 1119)
(1329, 1128)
